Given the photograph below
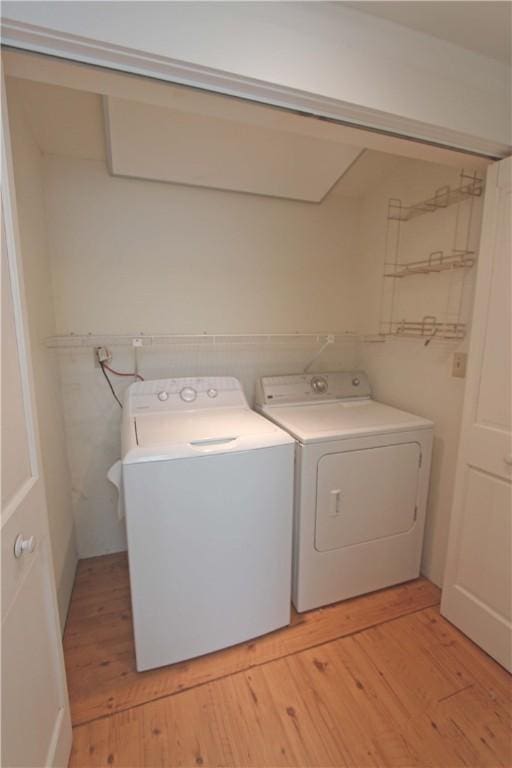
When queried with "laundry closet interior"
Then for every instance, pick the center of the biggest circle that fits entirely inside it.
(194, 234)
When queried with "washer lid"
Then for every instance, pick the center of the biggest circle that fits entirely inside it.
(185, 434)
(351, 418)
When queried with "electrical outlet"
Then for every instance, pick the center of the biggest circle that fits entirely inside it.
(459, 365)
(102, 355)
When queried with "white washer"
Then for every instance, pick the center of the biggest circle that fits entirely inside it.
(208, 497)
(362, 473)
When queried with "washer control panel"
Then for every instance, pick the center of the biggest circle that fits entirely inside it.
(312, 387)
(188, 393)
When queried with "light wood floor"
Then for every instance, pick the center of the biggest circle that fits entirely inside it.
(380, 680)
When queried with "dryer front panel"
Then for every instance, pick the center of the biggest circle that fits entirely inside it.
(366, 494)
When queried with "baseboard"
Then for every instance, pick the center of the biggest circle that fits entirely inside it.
(431, 575)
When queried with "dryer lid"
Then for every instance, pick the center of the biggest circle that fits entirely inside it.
(343, 419)
(186, 434)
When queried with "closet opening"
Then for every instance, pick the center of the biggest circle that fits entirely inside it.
(189, 233)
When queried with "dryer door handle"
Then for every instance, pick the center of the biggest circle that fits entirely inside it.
(335, 503)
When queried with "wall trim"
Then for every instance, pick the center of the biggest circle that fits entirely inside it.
(66, 581)
(38, 39)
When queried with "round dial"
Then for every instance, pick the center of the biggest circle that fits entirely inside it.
(212, 392)
(188, 394)
(319, 385)
(163, 396)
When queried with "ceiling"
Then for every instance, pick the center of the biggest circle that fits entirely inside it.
(268, 151)
(482, 27)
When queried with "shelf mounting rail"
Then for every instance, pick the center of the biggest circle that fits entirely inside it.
(73, 340)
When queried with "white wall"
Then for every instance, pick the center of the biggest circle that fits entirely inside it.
(130, 256)
(365, 65)
(28, 164)
(404, 372)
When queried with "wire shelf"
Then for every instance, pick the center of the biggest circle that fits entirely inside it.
(427, 328)
(441, 304)
(437, 261)
(443, 197)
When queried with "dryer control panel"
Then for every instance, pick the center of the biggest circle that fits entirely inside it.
(312, 387)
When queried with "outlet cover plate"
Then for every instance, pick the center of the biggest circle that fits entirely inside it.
(459, 365)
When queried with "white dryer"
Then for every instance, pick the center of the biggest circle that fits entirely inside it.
(208, 497)
(362, 475)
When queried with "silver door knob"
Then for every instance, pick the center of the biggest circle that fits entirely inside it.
(22, 545)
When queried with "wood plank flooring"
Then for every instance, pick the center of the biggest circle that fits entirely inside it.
(380, 680)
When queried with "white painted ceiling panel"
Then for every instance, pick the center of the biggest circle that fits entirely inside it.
(152, 142)
(63, 121)
(70, 123)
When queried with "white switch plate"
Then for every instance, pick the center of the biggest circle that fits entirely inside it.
(459, 365)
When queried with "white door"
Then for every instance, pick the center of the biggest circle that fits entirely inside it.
(478, 580)
(36, 727)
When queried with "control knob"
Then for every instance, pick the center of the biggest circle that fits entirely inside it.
(319, 385)
(188, 394)
(163, 396)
